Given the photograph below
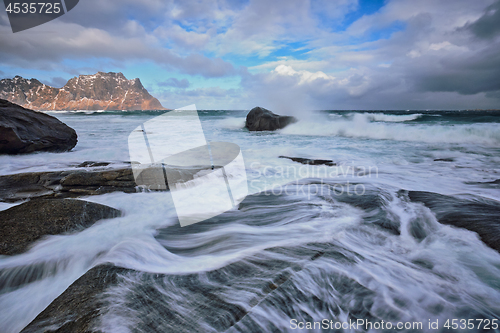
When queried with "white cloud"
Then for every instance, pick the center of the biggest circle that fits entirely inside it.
(303, 75)
(435, 54)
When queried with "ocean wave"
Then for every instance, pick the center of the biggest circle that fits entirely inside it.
(389, 117)
(232, 123)
(361, 127)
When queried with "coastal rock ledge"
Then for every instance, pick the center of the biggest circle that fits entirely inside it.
(26, 131)
(24, 224)
(260, 119)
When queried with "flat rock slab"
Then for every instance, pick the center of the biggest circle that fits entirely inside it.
(25, 131)
(24, 224)
(89, 181)
(309, 161)
(65, 184)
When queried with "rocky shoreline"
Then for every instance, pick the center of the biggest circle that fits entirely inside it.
(65, 184)
(51, 207)
(24, 224)
(26, 131)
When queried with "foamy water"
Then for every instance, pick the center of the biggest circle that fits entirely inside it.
(384, 257)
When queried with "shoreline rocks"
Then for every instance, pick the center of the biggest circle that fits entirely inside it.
(309, 161)
(77, 308)
(28, 222)
(82, 306)
(260, 119)
(480, 216)
(65, 184)
(93, 180)
(25, 131)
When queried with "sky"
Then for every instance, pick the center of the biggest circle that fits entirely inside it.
(284, 55)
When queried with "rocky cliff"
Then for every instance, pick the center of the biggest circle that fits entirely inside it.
(101, 91)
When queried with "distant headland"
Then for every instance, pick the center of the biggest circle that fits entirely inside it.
(100, 91)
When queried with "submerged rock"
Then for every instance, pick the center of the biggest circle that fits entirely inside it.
(76, 309)
(26, 131)
(158, 302)
(310, 161)
(260, 119)
(92, 164)
(26, 223)
(479, 215)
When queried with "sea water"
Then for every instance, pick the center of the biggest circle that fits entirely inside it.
(373, 265)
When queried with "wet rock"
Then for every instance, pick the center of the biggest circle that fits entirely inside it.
(448, 159)
(158, 302)
(26, 131)
(492, 184)
(260, 119)
(92, 164)
(82, 182)
(309, 161)
(24, 224)
(65, 184)
(76, 309)
(478, 214)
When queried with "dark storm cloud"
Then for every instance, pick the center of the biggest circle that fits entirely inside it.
(176, 83)
(467, 77)
(465, 72)
(488, 25)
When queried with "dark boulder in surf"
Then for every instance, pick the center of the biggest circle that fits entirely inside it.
(25, 131)
(28, 222)
(260, 119)
(309, 161)
(476, 214)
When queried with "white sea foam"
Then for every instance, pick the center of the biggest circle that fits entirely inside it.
(232, 123)
(386, 261)
(389, 117)
(361, 127)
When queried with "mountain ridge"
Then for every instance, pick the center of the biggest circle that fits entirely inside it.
(100, 91)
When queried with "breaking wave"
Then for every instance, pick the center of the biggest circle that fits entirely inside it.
(361, 126)
(388, 117)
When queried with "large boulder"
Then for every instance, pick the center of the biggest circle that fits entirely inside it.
(26, 131)
(24, 224)
(260, 119)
